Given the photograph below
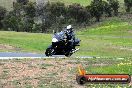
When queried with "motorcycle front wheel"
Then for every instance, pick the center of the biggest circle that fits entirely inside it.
(49, 52)
(68, 54)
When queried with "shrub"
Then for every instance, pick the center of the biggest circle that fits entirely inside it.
(107, 8)
(78, 12)
(128, 4)
(96, 9)
(29, 9)
(114, 4)
(11, 22)
(58, 9)
(3, 12)
(22, 1)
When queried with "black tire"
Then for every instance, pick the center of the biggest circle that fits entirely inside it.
(81, 80)
(68, 54)
(49, 52)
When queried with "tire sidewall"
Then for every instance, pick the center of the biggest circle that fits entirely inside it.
(49, 52)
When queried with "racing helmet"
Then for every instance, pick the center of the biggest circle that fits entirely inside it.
(69, 27)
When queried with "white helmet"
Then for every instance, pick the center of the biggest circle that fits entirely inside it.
(69, 27)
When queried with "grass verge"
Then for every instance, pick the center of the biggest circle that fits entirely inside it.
(58, 73)
(110, 38)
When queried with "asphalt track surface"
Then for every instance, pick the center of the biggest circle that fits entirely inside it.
(22, 55)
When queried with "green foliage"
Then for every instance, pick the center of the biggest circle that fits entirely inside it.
(28, 24)
(96, 9)
(54, 16)
(2, 15)
(37, 28)
(12, 22)
(78, 12)
(58, 9)
(2, 12)
(128, 4)
(107, 8)
(21, 18)
(99, 7)
(17, 9)
(23, 1)
(114, 4)
(29, 9)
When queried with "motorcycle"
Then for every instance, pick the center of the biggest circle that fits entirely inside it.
(61, 45)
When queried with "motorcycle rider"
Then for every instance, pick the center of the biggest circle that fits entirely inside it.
(69, 32)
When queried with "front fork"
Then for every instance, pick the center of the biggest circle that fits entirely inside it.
(75, 50)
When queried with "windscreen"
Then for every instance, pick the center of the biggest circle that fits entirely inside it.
(59, 36)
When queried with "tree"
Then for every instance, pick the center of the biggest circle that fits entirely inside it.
(96, 9)
(51, 14)
(37, 28)
(114, 4)
(18, 9)
(83, 15)
(22, 1)
(78, 12)
(73, 10)
(58, 9)
(28, 24)
(48, 19)
(107, 8)
(26, 14)
(3, 12)
(11, 22)
(128, 4)
(16, 16)
(29, 9)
